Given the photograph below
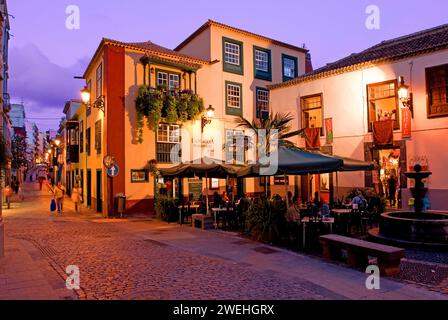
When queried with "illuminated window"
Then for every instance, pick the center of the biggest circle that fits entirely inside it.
(383, 102)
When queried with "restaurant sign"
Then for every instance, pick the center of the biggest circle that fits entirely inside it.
(329, 130)
(406, 123)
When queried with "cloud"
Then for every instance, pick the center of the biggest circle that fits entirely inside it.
(43, 85)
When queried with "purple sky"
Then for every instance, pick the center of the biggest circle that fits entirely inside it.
(44, 55)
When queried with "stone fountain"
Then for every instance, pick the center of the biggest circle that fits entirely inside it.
(418, 228)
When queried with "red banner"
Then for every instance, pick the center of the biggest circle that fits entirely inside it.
(406, 123)
(329, 130)
(312, 138)
(383, 132)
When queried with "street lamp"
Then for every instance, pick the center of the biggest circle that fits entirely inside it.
(85, 95)
(405, 97)
(206, 119)
(57, 142)
(85, 98)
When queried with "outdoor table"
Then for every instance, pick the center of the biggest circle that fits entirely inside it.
(341, 211)
(306, 220)
(216, 210)
(192, 206)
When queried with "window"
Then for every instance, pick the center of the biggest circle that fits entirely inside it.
(168, 133)
(280, 180)
(98, 129)
(174, 81)
(168, 80)
(214, 184)
(162, 78)
(289, 66)
(437, 91)
(168, 142)
(81, 137)
(89, 108)
(262, 63)
(139, 175)
(262, 103)
(88, 137)
(99, 81)
(232, 56)
(312, 112)
(235, 146)
(383, 102)
(234, 98)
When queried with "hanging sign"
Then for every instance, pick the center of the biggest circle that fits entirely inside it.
(329, 130)
(406, 123)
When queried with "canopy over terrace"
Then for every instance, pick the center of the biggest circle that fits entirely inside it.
(203, 168)
(294, 161)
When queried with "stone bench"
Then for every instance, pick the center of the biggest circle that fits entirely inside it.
(202, 221)
(358, 252)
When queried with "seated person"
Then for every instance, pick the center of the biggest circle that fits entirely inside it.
(293, 213)
(325, 211)
(358, 200)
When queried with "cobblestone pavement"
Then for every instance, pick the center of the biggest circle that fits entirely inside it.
(144, 259)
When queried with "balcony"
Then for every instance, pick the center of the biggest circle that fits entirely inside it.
(72, 154)
(72, 148)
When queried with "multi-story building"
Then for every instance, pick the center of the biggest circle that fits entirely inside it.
(358, 98)
(5, 168)
(226, 68)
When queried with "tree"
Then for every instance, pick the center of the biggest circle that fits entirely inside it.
(277, 127)
(18, 150)
(37, 153)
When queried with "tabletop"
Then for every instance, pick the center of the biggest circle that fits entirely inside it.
(324, 220)
(341, 210)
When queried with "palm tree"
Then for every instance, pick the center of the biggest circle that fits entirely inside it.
(277, 127)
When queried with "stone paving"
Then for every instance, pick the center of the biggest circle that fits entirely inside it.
(145, 259)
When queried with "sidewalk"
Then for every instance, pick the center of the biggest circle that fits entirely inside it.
(25, 272)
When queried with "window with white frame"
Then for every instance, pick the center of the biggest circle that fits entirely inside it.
(289, 64)
(168, 133)
(232, 53)
(262, 103)
(168, 136)
(289, 68)
(162, 78)
(235, 146)
(233, 95)
(174, 81)
(261, 60)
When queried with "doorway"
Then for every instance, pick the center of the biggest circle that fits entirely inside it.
(89, 188)
(99, 199)
(389, 164)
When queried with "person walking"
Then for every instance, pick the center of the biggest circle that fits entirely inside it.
(58, 192)
(41, 181)
(77, 197)
(7, 193)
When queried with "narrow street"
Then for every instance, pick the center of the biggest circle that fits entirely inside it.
(146, 259)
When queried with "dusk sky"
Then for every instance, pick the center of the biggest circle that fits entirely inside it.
(44, 55)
